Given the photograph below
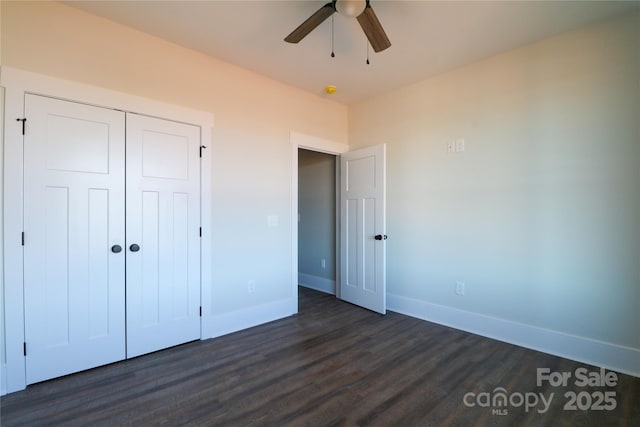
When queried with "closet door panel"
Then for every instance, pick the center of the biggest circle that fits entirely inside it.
(74, 213)
(163, 220)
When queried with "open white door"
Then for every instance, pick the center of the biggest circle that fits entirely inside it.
(163, 228)
(363, 228)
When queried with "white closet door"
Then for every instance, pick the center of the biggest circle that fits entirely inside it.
(163, 221)
(74, 214)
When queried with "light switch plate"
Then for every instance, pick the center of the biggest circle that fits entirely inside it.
(460, 288)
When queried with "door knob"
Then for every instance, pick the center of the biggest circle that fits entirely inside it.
(116, 249)
(134, 248)
(380, 237)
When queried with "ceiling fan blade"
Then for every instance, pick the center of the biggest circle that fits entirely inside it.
(373, 29)
(311, 23)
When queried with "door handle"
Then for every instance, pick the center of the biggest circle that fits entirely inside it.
(134, 248)
(380, 237)
(116, 249)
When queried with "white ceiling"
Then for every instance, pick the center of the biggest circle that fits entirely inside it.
(428, 37)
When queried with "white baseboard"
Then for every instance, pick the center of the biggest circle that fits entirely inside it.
(318, 283)
(598, 353)
(222, 324)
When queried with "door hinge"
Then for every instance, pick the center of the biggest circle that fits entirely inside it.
(200, 231)
(202, 147)
(23, 238)
(24, 120)
(24, 348)
(200, 311)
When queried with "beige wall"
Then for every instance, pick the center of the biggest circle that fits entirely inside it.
(540, 215)
(253, 118)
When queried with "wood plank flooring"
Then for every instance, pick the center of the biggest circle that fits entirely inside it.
(332, 364)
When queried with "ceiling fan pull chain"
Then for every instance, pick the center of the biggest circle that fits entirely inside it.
(367, 51)
(333, 55)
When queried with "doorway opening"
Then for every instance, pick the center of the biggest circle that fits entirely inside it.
(316, 220)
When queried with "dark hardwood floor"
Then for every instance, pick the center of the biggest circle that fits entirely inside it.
(332, 364)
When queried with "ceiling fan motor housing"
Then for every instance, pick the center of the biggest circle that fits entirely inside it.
(350, 8)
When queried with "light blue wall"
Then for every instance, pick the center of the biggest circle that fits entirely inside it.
(317, 208)
(540, 215)
(3, 358)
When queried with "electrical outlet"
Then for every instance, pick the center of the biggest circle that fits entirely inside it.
(459, 145)
(251, 286)
(323, 263)
(460, 288)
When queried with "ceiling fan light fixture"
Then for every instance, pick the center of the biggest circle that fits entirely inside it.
(360, 9)
(351, 8)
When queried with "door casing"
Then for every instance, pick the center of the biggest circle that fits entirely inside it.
(312, 143)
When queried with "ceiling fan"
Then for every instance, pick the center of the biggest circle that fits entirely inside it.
(359, 9)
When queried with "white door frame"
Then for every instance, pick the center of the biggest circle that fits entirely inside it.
(308, 142)
(18, 82)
